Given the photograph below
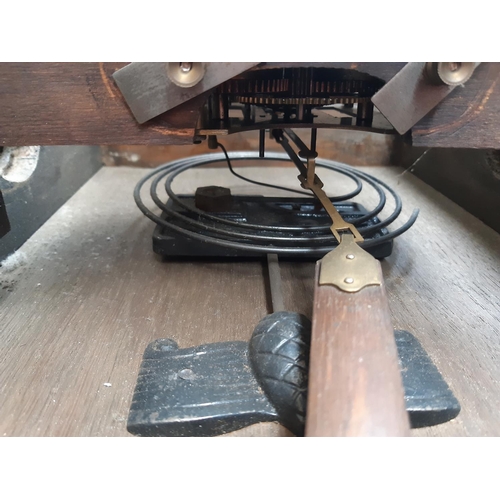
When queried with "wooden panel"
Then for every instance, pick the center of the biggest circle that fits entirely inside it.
(86, 295)
(79, 103)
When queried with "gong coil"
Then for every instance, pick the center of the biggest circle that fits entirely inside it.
(260, 238)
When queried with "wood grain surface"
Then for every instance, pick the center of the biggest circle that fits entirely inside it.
(355, 385)
(85, 295)
(79, 103)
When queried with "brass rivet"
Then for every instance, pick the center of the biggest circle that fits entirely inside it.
(349, 281)
(349, 256)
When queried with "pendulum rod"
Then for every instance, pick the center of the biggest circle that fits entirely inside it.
(355, 386)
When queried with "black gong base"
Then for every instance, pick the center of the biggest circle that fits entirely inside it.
(266, 210)
(217, 388)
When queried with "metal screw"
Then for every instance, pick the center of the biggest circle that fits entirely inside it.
(349, 281)
(449, 73)
(186, 67)
(349, 256)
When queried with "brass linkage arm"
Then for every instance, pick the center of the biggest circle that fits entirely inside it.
(355, 387)
(309, 180)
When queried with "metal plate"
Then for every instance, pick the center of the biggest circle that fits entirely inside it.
(349, 267)
(149, 92)
(409, 96)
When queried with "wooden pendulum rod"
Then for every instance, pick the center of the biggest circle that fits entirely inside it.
(355, 384)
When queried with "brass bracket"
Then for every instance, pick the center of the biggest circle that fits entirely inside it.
(349, 267)
(338, 223)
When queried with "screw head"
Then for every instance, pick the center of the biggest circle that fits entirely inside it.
(185, 74)
(349, 281)
(450, 73)
(186, 67)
